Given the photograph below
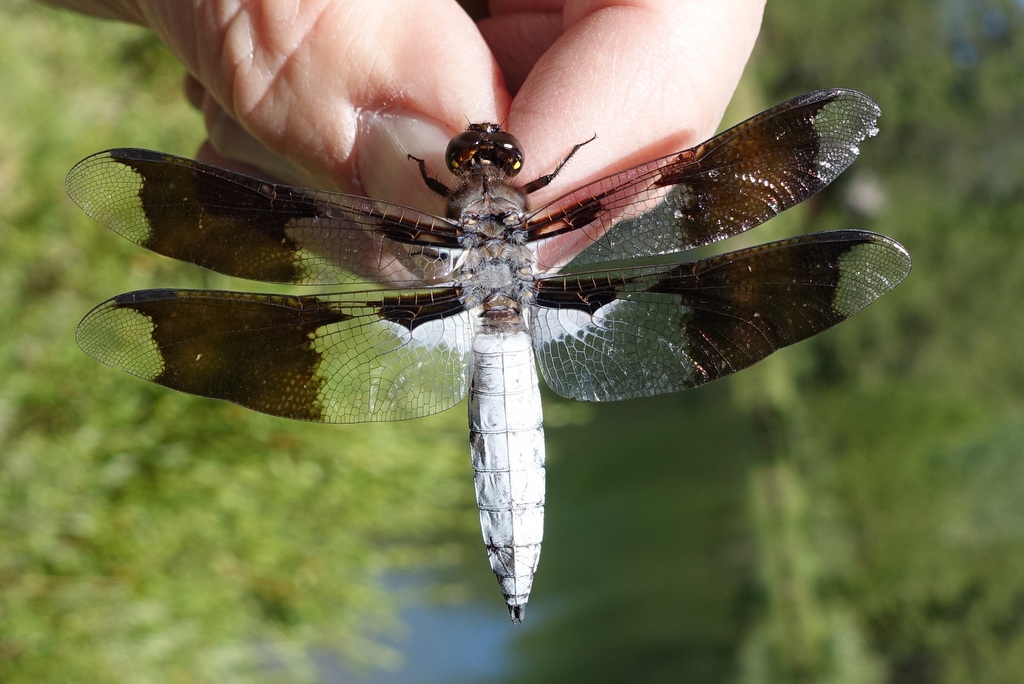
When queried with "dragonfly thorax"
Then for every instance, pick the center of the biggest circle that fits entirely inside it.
(498, 271)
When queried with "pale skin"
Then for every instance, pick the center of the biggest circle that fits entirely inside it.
(335, 93)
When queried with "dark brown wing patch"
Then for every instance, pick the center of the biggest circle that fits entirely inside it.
(625, 333)
(720, 188)
(323, 358)
(245, 227)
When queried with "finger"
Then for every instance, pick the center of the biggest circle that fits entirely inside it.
(648, 78)
(318, 81)
(232, 147)
(386, 155)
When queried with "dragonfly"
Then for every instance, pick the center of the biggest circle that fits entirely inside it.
(593, 288)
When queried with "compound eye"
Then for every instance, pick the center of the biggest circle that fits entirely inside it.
(506, 152)
(484, 144)
(462, 151)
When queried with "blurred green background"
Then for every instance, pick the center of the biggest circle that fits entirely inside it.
(850, 510)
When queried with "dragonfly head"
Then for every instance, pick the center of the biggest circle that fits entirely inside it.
(484, 145)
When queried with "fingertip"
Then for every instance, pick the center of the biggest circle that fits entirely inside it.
(383, 167)
(650, 76)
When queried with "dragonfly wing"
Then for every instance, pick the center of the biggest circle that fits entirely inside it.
(345, 358)
(734, 182)
(245, 227)
(626, 333)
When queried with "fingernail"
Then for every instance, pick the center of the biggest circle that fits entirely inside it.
(386, 140)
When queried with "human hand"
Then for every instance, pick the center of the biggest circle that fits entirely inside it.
(336, 93)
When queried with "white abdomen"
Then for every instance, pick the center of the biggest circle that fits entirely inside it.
(507, 444)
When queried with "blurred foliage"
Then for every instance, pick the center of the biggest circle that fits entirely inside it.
(919, 413)
(145, 535)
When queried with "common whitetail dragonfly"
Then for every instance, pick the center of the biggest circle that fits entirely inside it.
(480, 297)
